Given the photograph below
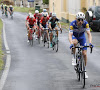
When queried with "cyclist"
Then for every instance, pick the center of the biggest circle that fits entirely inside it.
(44, 12)
(37, 16)
(6, 9)
(2, 8)
(44, 23)
(26, 22)
(53, 25)
(11, 10)
(77, 34)
(31, 24)
(36, 13)
(50, 15)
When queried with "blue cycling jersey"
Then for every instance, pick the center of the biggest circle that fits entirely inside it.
(78, 32)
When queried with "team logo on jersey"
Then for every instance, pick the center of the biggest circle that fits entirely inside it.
(87, 25)
(71, 27)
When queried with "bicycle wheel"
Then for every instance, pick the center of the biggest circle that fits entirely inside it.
(56, 44)
(83, 73)
(44, 38)
(31, 42)
(78, 68)
(31, 39)
(53, 45)
(38, 36)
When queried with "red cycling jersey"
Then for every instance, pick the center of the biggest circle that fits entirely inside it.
(32, 21)
(27, 18)
(37, 17)
(43, 21)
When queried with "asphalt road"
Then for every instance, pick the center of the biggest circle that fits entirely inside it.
(40, 68)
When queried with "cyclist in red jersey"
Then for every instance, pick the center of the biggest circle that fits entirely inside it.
(26, 22)
(31, 24)
(50, 15)
(44, 23)
(36, 14)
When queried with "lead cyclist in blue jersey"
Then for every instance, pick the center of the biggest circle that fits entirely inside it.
(77, 34)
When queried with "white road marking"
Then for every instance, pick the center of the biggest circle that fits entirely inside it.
(8, 60)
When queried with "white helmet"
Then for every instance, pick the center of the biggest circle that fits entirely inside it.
(36, 11)
(31, 16)
(80, 15)
(53, 14)
(10, 5)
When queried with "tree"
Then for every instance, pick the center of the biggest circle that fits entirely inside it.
(46, 1)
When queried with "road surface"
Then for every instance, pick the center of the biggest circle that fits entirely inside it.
(40, 68)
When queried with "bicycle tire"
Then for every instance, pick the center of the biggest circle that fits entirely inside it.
(56, 45)
(78, 67)
(83, 73)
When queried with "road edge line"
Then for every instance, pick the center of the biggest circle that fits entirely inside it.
(8, 60)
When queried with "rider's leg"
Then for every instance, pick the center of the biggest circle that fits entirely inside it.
(75, 41)
(85, 56)
(56, 28)
(51, 35)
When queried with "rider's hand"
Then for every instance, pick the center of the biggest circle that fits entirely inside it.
(91, 46)
(72, 45)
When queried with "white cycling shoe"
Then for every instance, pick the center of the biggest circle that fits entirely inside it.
(86, 76)
(73, 61)
(41, 38)
(28, 41)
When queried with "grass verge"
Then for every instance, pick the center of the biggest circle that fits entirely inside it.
(65, 25)
(24, 9)
(1, 52)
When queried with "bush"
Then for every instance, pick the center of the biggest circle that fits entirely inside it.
(7, 2)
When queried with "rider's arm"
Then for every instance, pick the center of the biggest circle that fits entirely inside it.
(59, 24)
(70, 33)
(88, 33)
(89, 36)
(50, 25)
(70, 38)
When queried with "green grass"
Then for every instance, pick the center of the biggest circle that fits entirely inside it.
(65, 25)
(23, 9)
(1, 52)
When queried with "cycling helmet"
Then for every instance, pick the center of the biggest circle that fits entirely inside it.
(44, 10)
(31, 16)
(80, 15)
(10, 5)
(36, 11)
(54, 14)
(44, 14)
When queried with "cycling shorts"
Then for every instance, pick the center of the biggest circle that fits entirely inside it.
(82, 41)
(53, 26)
(31, 26)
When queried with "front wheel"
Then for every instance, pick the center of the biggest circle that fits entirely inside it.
(83, 72)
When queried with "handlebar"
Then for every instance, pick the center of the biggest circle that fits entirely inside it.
(81, 48)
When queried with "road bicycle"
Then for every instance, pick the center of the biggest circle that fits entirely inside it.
(55, 40)
(45, 36)
(80, 64)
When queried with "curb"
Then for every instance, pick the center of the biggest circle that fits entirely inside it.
(8, 60)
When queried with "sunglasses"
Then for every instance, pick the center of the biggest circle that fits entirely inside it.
(80, 19)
